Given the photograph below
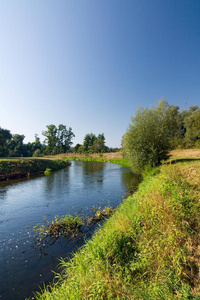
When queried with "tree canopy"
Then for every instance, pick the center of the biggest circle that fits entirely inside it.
(58, 140)
(92, 143)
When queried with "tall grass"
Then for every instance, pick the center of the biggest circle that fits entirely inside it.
(149, 248)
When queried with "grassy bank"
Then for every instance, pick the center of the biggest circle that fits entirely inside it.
(149, 248)
(20, 168)
(114, 157)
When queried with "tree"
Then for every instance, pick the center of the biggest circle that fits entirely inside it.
(192, 124)
(51, 139)
(37, 153)
(36, 144)
(5, 136)
(99, 143)
(89, 141)
(59, 140)
(93, 143)
(98, 146)
(76, 148)
(67, 142)
(15, 146)
(147, 140)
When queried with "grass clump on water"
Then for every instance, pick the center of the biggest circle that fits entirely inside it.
(148, 249)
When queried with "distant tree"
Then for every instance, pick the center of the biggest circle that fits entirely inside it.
(15, 146)
(36, 144)
(93, 143)
(192, 124)
(101, 137)
(175, 123)
(98, 146)
(37, 153)
(5, 136)
(58, 140)
(76, 148)
(51, 139)
(89, 141)
(81, 149)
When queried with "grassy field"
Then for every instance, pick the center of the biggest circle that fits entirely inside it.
(149, 248)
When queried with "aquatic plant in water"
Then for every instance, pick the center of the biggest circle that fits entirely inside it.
(72, 227)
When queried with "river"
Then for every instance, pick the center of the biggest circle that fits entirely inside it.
(24, 266)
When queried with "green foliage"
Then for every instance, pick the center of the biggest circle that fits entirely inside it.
(37, 153)
(15, 146)
(47, 172)
(147, 139)
(155, 131)
(192, 124)
(93, 144)
(76, 148)
(5, 136)
(69, 226)
(59, 140)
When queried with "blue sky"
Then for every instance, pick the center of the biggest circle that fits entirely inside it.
(88, 64)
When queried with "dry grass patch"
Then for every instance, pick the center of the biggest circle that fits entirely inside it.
(185, 154)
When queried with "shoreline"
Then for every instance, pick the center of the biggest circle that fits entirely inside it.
(11, 169)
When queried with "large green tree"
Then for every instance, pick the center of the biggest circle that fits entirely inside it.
(147, 140)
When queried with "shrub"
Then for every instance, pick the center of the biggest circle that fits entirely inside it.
(147, 140)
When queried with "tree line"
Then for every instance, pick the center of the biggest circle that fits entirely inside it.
(155, 131)
(57, 140)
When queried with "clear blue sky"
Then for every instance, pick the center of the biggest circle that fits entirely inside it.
(88, 64)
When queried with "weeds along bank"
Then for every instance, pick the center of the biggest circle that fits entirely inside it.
(149, 248)
(20, 168)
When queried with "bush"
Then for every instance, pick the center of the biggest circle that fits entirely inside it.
(37, 153)
(147, 140)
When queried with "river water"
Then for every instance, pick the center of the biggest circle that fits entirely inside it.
(24, 266)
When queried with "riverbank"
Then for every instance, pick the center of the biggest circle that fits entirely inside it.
(24, 167)
(117, 157)
(113, 157)
(149, 248)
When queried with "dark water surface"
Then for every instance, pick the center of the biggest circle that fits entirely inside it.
(23, 204)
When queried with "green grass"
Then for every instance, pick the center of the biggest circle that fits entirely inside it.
(149, 248)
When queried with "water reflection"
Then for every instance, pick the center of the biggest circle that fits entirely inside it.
(131, 181)
(57, 181)
(95, 167)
